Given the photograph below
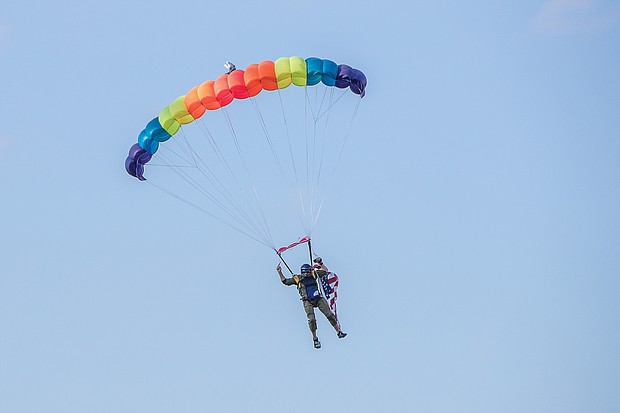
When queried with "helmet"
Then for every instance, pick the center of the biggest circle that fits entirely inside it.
(306, 269)
(318, 260)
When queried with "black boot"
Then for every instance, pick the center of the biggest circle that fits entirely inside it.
(342, 334)
(317, 343)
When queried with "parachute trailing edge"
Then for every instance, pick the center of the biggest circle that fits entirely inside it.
(238, 84)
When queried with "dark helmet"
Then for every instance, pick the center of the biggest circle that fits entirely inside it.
(306, 269)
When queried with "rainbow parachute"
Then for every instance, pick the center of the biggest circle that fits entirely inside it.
(238, 84)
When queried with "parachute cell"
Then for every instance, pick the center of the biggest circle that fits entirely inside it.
(222, 91)
(252, 81)
(168, 122)
(154, 131)
(283, 72)
(147, 143)
(236, 84)
(179, 111)
(193, 104)
(207, 96)
(134, 164)
(330, 70)
(267, 73)
(314, 69)
(298, 71)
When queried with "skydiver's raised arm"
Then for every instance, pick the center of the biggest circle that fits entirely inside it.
(319, 265)
(285, 281)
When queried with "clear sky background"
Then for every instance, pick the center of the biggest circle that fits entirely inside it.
(474, 222)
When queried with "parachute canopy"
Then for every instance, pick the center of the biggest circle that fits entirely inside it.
(238, 84)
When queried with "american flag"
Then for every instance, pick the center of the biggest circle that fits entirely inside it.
(329, 283)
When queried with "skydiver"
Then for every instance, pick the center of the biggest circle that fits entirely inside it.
(311, 298)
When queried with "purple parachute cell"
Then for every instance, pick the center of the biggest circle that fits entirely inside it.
(358, 82)
(343, 78)
(135, 151)
(143, 158)
(130, 166)
(140, 172)
(134, 164)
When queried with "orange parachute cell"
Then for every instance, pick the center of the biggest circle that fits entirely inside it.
(267, 73)
(222, 91)
(193, 104)
(236, 84)
(207, 96)
(252, 80)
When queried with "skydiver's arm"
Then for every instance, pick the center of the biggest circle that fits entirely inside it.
(285, 281)
(279, 270)
(321, 267)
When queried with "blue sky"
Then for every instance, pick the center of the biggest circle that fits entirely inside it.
(473, 219)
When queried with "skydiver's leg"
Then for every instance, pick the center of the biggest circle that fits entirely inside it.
(324, 307)
(311, 318)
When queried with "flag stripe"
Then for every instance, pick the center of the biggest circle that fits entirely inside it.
(329, 282)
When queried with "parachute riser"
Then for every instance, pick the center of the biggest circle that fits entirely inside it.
(285, 264)
(314, 275)
(310, 251)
